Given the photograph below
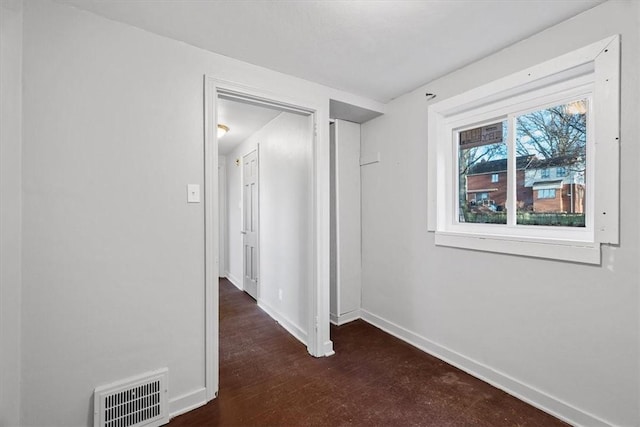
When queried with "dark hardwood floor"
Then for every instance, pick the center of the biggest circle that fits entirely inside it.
(267, 378)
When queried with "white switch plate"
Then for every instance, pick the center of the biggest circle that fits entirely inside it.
(193, 193)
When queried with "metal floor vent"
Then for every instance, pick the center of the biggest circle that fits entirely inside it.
(134, 402)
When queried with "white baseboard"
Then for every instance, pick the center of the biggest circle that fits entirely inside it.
(522, 391)
(187, 402)
(234, 280)
(334, 318)
(328, 349)
(345, 318)
(293, 329)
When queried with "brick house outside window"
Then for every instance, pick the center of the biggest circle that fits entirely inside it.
(543, 185)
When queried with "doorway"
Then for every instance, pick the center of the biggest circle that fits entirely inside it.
(269, 224)
(238, 150)
(279, 166)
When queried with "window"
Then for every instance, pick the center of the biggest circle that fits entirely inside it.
(548, 193)
(551, 138)
(481, 151)
(559, 198)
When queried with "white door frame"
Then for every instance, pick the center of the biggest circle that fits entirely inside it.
(318, 341)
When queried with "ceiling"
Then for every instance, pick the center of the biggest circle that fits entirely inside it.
(243, 120)
(377, 49)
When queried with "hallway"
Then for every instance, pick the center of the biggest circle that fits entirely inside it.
(267, 378)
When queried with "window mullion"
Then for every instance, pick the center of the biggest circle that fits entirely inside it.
(511, 171)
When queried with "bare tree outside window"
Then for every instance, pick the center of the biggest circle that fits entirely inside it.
(555, 138)
(554, 132)
(550, 150)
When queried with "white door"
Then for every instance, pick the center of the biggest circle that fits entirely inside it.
(250, 223)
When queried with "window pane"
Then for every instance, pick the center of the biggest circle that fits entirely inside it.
(551, 160)
(482, 174)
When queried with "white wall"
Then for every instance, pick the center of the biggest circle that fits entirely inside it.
(562, 335)
(285, 155)
(347, 282)
(113, 255)
(286, 202)
(113, 258)
(10, 209)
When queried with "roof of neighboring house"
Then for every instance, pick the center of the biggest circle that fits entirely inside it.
(522, 162)
(553, 162)
(542, 185)
(493, 166)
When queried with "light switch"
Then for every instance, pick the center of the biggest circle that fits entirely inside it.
(193, 193)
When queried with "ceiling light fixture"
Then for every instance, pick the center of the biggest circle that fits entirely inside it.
(222, 129)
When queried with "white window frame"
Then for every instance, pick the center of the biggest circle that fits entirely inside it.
(568, 90)
(592, 72)
(495, 177)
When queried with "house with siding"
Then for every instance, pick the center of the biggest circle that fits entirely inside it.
(557, 184)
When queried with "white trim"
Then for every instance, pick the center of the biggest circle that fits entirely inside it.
(537, 248)
(338, 225)
(345, 318)
(591, 71)
(501, 380)
(211, 230)
(334, 319)
(568, 61)
(327, 348)
(448, 211)
(234, 280)
(318, 338)
(607, 146)
(187, 402)
(293, 329)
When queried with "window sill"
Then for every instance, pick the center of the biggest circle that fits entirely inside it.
(562, 250)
